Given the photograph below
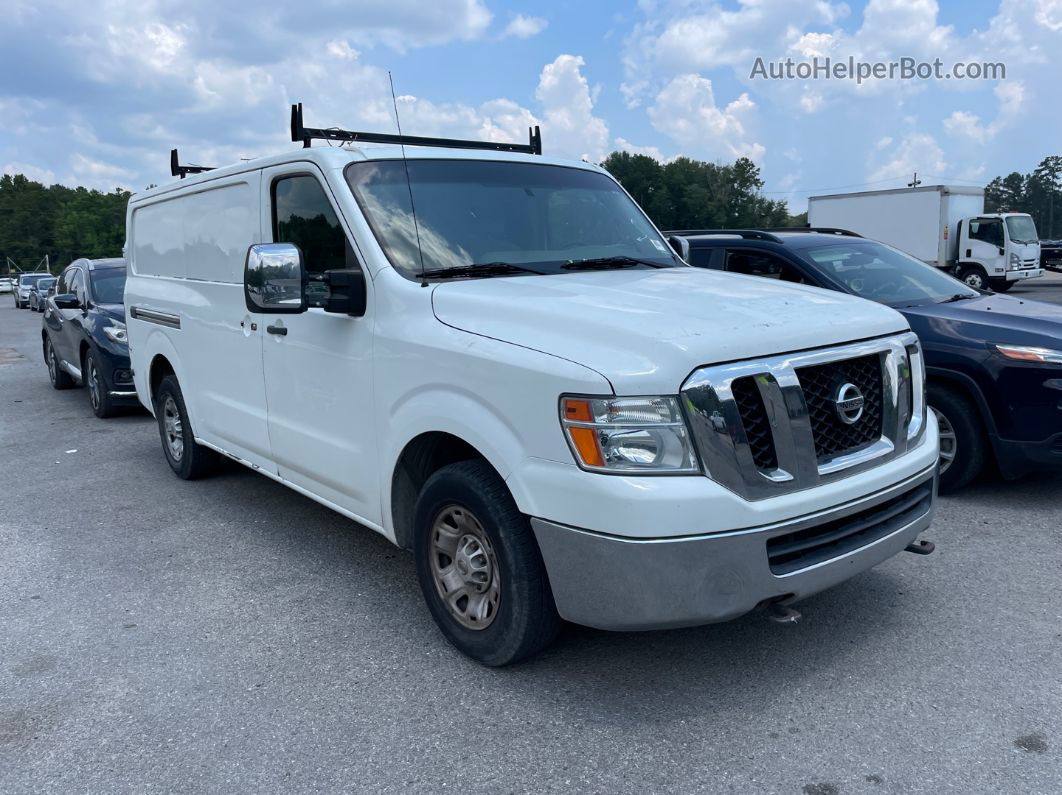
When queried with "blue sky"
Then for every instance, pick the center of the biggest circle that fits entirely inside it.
(96, 94)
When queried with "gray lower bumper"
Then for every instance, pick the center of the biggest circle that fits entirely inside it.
(636, 584)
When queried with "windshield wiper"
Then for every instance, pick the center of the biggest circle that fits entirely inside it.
(608, 263)
(958, 297)
(476, 269)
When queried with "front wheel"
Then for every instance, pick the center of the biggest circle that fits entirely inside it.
(188, 459)
(479, 566)
(963, 446)
(1001, 285)
(102, 403)
(974, 276)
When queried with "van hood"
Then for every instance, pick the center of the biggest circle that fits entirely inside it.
(647, 330)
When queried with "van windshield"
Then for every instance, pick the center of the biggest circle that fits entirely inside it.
(543, 218)
(1021, 228)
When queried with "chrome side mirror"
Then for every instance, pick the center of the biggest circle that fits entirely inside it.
(274, 279)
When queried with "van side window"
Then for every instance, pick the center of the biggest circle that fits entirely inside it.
(760, 263)
(990, 230)
(704, 257)
(303, 215)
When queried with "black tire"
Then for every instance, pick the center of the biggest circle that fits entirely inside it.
(1001, 285)
(101, 402)
(971, 442)
(525, 620)
(194, 461)
(59, 377)
(974, 276)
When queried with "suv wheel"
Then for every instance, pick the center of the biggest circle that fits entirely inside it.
(102, 404)
(974, 276)
(59, 377)
(187, 459)
(963, 448)
(479, 566)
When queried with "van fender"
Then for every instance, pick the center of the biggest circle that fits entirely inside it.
(458, 413)
(157, 343)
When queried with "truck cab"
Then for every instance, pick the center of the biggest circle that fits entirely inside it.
(495, 360)
(997, 250)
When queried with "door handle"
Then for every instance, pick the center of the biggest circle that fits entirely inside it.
(281, 330)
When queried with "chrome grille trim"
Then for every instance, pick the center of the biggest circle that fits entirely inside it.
(720, 437)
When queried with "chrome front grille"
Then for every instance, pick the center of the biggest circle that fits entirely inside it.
(771, 426)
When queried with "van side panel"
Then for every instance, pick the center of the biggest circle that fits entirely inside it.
(187, 251)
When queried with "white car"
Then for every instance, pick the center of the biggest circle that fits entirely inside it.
(24, 286)
(7, 285)
(495, 360)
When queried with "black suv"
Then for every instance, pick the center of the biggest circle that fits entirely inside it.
(993, 362)
(84, 335)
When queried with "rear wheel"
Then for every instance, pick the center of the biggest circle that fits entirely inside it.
(963, 446)
(479, 566)
(102, 404)
(974, 276)
(187, 459)
(59, 377)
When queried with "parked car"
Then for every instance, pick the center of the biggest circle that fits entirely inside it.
(7, 285)
(84, 334)
(517, 379)
(994, 363)
(39, 292)
(25, 285)
(1051, 255)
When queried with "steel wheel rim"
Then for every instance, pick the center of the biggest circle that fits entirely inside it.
(52, 365)
(949, 442)
(173, 428)
(94, 384)
(974, 280)
(465, 568)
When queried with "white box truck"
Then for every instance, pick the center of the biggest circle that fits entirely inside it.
(943, 225)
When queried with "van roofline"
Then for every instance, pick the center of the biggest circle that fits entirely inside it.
(335, 158)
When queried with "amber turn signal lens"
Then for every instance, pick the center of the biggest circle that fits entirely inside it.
(577, 410)
(585, 441)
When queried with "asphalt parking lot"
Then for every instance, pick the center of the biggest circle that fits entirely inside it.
(231, 635)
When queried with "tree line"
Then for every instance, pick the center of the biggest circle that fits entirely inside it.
(60, 222)
(1038, 193)
(692, 194)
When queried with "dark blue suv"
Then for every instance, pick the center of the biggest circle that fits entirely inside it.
(993, 362)
(84, 335)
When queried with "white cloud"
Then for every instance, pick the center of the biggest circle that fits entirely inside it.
(340, 48)
(45, 176)
(1049, 14)
(572, 128)
(623, 145)
(686, 112)
(524, 27)
(916, 152)
(964, 124)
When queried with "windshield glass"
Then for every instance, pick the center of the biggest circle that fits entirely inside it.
(44, 284)
(1021, 228)
(883, 274)
(29, 281)
(471, 212)
(108, 285)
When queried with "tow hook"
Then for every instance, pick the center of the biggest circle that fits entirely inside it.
(921, 547)
(780, 614)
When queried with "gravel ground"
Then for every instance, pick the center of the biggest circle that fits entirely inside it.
(230, 635)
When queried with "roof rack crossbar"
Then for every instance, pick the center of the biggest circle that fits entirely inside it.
(744, 234)
(299, 132)
(177, 170)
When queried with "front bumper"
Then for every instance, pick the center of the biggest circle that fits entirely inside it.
(618, 583)
(1024, 273)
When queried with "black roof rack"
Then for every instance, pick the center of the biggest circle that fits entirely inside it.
(824, 230)
(745, 234)
(177, 170)
(300, 132)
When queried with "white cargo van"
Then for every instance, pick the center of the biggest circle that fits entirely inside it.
(495, 360)
(944, 225)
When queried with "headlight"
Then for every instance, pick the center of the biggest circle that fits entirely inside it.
(1015, 262)
(628, 435)
(1030, 354)
(116, 331)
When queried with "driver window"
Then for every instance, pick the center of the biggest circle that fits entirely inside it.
(77, 286)
(761, 263)
(989, 230)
